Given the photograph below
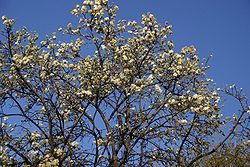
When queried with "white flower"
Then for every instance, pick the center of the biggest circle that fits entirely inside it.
(99, 142)
(103, 47)
(150, 77)
(8, 22)
(35, 135)
(35, 144)
(59, 151)
(83, 9)
(158, 88)
(171, 101)
(135, 88)
(206, 108)
(55, 162)
(232, 86)
(130, 32)
(2, 125)
(74, 144)
(182, 121)
(34, 152)
(116, 81)
(88, 92)
(175, 74)
(43, 42)
(248, 111)
(4, 18)
(106, 19)
(195, 96)
(5, 119)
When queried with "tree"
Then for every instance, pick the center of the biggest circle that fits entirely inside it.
(133, 101)
(229, 155)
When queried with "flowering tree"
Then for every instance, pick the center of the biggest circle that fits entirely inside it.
(133, 101)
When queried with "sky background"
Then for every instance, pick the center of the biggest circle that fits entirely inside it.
(217, 27)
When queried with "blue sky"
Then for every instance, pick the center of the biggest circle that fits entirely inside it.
(217, 27)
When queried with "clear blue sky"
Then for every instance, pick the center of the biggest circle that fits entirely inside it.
(218, 27)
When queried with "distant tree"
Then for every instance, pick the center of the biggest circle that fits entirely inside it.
(116, 95)
(230, 155)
